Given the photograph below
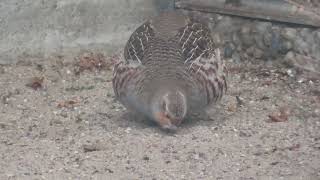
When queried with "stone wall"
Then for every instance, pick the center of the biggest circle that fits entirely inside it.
(245, 39)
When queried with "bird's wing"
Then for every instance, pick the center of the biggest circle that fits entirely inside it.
(129, 67)
(210, 74)
(124, 74)
(137, 43)
(203, 61)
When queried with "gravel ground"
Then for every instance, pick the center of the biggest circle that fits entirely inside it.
(72, 128)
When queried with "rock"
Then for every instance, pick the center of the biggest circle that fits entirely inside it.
(289, 56)
(315, 49)
(246, 36)
(310, 66)
(305, 32)
(258, 38)
(245, 30)
(267, 37)
(258, 53)
(236, 40)
(225, 25)
(286, 46)
(318, 35)
(262, 27)
(301, 46)
(289, 33)
(275, 42)
(310, 38)
(236, 57)
(229, 49)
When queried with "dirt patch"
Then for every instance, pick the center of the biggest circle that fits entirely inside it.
(72, 128)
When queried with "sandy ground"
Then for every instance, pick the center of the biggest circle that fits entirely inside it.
(72, 128)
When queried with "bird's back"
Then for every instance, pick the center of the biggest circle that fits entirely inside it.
(155, 36)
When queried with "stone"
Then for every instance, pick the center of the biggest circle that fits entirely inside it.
(267, 37)
(275, 42)
(225, 25)
(236, 40)
(309, 65)
(258, 38)
(305, 32)
(289, 33)
(258, 53)
(255, 52)
(229, 49)
(286, 46)
(236, 58)
(246, 36)
(301, 46)
(318, 35)
(262, 27)
(289, 56)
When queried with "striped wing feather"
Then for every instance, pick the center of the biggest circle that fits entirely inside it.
(209, 73)
(137, 43)
(203, 61)
(126, 71)
(123, 75)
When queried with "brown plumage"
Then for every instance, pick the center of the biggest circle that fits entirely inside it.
(170, 69)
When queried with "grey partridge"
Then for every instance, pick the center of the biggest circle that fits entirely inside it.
(170, 70)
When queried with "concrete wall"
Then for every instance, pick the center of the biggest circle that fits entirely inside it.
(41, 28)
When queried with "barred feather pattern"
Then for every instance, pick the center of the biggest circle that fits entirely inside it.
(127, 71)
(203, 61)
(124, 75)
(209, 72)
(149, 55)
(137, 43)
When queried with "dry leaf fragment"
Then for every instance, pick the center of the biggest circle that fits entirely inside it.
(281, 116)
(68, 104)
(232, 107)
(36, 83)
(92, 61)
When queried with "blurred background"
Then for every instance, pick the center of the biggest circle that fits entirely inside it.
(42, 28)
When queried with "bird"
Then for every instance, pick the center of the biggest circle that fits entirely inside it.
(170, 69)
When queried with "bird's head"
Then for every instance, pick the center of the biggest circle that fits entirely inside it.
(169, 109)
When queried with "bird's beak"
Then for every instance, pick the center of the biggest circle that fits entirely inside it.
(165, 122)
